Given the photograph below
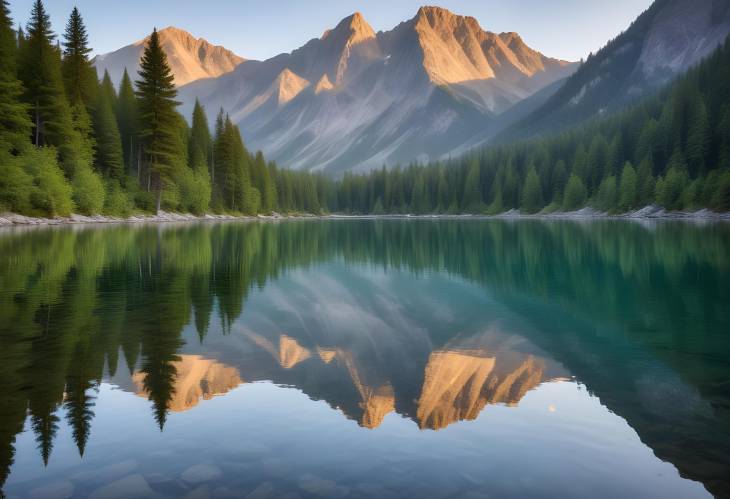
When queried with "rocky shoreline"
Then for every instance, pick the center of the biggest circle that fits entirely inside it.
(13, 219)
(647, 213)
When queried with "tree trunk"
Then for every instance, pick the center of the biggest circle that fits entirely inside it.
(37, 125)
(139, 162)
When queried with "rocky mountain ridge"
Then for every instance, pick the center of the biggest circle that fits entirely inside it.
(354, 99)
(190, 58)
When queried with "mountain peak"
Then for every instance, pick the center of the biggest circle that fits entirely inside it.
(439, 16)
(324, 84)
(511, 37)
(354, 28)
(288, 85)
(172, 33)
(173, 30)
(190, 58)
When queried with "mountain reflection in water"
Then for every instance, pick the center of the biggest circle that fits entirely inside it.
(430, 321)
(458, 382)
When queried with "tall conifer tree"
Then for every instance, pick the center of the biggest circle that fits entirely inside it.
(109, 156)
(107, 88)
(78, 72)
(200, 140)
(40, 72)
(15, 125)
(126, 111)
(156, 93)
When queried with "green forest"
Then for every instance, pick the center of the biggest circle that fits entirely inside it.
(70, 143)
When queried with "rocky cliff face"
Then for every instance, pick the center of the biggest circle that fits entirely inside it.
(682, 33)
(190, 58)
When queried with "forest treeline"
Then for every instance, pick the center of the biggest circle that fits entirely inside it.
(80, 306)
(71, 143)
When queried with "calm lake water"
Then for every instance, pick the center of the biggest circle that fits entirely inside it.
(329, 359)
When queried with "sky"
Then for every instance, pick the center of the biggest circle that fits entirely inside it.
(256, 29)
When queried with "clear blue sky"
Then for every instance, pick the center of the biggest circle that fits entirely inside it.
(568, 29)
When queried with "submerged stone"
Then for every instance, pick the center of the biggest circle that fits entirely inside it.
(201, 473)
(129, 487)
(56, 490)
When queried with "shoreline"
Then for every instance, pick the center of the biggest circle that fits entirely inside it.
(584, 214)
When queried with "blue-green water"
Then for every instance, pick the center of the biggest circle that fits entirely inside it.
(366, 359)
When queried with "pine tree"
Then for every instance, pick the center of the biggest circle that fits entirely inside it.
(200, 146)
(15, 126)
(559, 181)
(628, 191)
(78, 72)
(40, 72)
(607, 194)
(217, 164)
(107, 88)
(645, 180)
(126, 111)
(109, 157)
(580, 162)
(575, 194)
(262, 182)
(156, 92)
(532, 200)
(80, 82)
(646, 141)
(473, 201)
(419, 196)
(723, 134)
(597, 162)
(79, 405)
(225, 164)
(698, 137)
(511, 191)
(248, 197)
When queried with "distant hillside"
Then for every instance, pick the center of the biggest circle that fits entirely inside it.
(666, 40)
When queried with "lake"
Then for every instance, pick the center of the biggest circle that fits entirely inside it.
(366, 358)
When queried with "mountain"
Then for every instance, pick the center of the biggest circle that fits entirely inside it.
(190, 58)
(196, 378)
(665, 41)
(357, 99)
(458, 385)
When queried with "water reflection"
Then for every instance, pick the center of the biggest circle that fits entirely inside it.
(432, 321)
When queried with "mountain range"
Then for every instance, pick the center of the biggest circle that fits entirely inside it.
(357, 99)
(434, 86)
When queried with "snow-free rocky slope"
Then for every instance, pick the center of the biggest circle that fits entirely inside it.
(354, 99)
(190, 58)
(665, 41)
